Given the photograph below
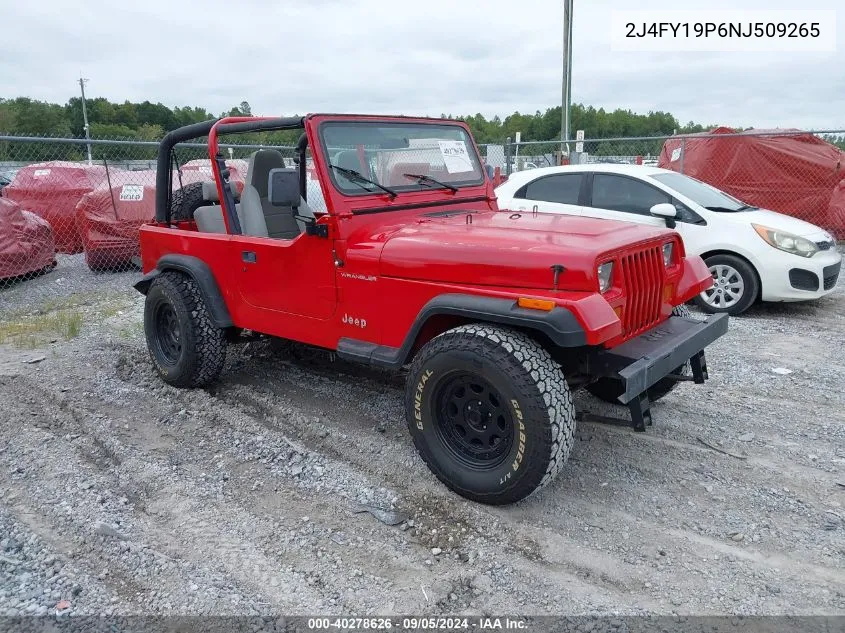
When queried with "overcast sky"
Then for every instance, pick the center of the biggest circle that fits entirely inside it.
(408, 57)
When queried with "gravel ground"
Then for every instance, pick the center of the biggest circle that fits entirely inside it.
(121, 495)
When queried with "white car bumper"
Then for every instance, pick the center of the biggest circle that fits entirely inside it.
(787, 277)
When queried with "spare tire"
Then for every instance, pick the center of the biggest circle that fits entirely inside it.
(185, 201)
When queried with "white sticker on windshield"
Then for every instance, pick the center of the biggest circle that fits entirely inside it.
(456, 156)
(41, 172)
(132, 193)
(676, 154)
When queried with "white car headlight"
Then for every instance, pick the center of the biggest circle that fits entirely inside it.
(786, 242)
(605, 275)
(668, 253)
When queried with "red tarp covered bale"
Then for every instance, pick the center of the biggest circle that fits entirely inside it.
(795, 174)
(836, 209)
(109, 218)
(51, 190)
(26, 241)
(200, 169)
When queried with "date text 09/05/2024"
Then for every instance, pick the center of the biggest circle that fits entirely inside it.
(418, 623)
(723, 29)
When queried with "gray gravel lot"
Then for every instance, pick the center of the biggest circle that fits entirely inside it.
(121, 495)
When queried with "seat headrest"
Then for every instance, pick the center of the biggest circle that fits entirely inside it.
(260, 164)
(348, 159)
(209, 191)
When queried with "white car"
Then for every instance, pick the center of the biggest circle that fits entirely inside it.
(752, 253)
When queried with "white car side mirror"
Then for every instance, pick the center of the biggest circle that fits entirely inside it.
(666, 211)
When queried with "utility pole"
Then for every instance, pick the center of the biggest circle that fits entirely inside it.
(85, 117)
(566, 83)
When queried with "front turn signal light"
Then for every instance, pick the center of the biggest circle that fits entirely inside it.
(536, 304)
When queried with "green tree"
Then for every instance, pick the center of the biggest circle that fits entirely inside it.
(147, 120)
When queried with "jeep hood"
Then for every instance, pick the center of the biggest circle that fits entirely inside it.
(509, 249)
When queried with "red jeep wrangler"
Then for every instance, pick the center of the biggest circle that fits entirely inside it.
(409, 262)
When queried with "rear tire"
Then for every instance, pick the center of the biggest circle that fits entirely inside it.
(609, 389)
(490, 413)
(736, 286)
(185, 201)
(186, 348)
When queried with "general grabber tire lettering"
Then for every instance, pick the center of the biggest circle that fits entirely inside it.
(185, 201)
(490, 412)
(187, 349)
(609, 389)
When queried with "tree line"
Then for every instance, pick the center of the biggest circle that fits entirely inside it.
(147, 121)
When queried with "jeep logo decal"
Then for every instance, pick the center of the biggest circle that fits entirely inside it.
(348, 320)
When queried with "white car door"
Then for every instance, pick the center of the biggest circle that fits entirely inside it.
(555, 193)
(621, 197)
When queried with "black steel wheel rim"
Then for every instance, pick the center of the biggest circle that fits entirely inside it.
(473, 421)
(167, 333)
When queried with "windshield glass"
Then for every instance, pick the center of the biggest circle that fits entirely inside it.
(399, 156)
(701, 193)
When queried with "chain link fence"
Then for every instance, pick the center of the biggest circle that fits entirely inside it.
(70, 209)
(797, 173)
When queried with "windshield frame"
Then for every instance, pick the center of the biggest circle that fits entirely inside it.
(413, 187)
(662, 176)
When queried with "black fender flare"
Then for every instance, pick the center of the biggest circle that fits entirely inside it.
(559, 325)
(199, 271)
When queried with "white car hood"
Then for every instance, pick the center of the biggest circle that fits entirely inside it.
(777, 221)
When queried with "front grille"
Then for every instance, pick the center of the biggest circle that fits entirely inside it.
(642, 274)
(825, 246)
(801, 279)
(831, 275)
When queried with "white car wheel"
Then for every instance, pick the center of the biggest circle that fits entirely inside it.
(728, 287)
(735, 285)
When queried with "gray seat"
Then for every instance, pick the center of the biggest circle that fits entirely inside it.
(209, 219)
(258, 217)
(258, 213)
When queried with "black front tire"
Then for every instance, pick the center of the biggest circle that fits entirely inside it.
(186, 348)
(478, 375)
(609, 389)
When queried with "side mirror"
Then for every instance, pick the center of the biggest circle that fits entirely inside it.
(283, 188)
(666, 211)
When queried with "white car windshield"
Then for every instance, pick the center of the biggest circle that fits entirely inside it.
(701, 193)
